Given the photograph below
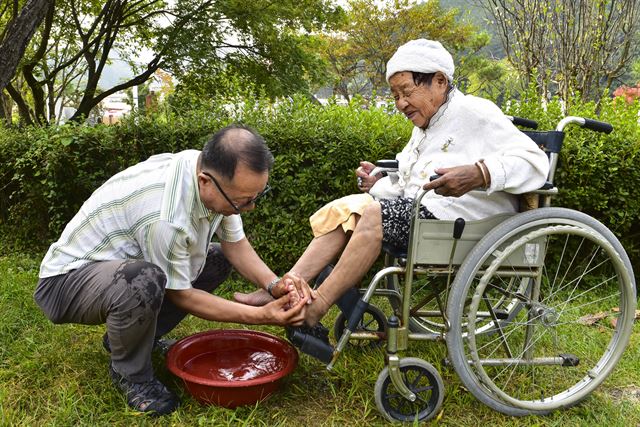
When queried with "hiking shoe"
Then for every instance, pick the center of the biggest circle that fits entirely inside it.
(150, 396)
(161, 345)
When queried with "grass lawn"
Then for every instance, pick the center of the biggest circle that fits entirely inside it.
(57, 375)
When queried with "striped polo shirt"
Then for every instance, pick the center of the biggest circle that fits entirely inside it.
(150, 211)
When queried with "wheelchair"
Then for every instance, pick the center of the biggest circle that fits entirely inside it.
(535, 308)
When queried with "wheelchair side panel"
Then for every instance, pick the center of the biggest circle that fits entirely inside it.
(435, 243)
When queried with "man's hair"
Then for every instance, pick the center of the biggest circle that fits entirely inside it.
(236, 144)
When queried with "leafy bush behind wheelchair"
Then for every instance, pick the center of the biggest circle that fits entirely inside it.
(46, 173)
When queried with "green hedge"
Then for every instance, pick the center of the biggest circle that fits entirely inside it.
(46, 174)
(598, 174)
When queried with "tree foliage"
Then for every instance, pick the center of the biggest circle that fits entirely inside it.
(574, 46)
(372, 31)
(194, 39)
(270, 45)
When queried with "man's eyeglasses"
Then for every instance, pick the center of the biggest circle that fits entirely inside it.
(237, 208)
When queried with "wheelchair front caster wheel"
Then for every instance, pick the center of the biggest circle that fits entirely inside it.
(373, 321)
(423, 380)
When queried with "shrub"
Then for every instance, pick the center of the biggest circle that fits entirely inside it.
(46, 173)
(598, 173)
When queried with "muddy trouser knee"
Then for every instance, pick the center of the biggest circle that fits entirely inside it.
(215, 271)
(124, 294)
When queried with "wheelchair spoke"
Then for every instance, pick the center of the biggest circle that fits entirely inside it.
(544, 355)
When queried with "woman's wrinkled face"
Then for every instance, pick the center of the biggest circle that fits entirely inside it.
(418, 103)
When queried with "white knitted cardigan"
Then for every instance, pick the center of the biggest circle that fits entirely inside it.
(464, 130)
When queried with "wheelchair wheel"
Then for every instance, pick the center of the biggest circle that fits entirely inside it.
(373, 320)
(423, 380)
(576, 318)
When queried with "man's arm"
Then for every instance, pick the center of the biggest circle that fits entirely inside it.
(247, 263)
(210, 307)
(165, 246)
(250, 266)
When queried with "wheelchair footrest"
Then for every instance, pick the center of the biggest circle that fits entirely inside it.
(501, 314)
(313, 341)
(569, 359)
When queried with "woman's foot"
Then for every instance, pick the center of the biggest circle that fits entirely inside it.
(317, 309)
(256, 298)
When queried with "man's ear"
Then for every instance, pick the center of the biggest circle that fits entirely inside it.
(202, 180)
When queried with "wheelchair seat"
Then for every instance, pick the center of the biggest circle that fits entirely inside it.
(394, 251)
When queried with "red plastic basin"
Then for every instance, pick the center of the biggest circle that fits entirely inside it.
(231, 367)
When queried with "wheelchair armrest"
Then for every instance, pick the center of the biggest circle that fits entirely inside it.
(384, 167)
(391, 164)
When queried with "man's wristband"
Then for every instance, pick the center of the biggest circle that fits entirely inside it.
(271, 285)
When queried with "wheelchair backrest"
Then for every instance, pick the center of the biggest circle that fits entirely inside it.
(551, 143)
(548, 141)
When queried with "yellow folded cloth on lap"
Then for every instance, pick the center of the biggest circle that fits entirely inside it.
(340, 212)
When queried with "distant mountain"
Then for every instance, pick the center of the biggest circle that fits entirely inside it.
(115, 73)
(466, 7)
(474, 13)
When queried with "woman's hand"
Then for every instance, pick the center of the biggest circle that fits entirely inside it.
(365, 181)
(456, 181)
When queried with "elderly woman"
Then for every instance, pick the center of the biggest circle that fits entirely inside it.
(465, 139)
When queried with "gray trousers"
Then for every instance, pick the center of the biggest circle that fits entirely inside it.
(127, 295)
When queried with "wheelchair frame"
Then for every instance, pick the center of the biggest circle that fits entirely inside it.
(500, 312)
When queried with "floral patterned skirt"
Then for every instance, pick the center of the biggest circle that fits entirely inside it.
(396, 220)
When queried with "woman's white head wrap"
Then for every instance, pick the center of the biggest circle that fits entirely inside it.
(422, 56)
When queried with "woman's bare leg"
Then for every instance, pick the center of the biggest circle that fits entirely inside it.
(359, 255)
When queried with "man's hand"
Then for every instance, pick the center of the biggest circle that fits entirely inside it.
(282, 312)
(365, 182)
(456, 181)
(294, 285)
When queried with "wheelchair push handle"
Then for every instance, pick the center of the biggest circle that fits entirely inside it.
(598, 126)
(590, 124)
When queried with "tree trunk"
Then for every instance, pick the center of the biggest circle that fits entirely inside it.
(17, 38)
(23, 108)
(6, 105)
